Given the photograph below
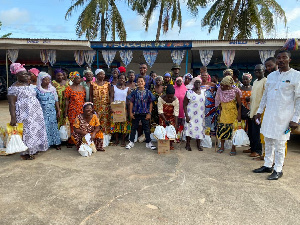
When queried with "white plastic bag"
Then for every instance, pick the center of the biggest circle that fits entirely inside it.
(1, 143)
(171, 132)
(15, 144)
(153, 139)
(106, 140)
(85, 150)
(63, 133)
(227, 144)
(160, 133)
(142, 138)
(206, 142)
(240, 138)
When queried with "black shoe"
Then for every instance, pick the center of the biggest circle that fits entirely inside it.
(275, 175)
(263, 169)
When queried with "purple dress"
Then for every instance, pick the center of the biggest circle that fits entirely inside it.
(29, 112)
(196, 111)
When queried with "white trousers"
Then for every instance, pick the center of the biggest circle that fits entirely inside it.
(277, 147)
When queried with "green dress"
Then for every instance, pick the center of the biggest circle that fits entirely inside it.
(60, 89)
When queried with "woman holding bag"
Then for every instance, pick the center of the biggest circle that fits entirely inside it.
(25, 108)
(168, 109)
(228, 97)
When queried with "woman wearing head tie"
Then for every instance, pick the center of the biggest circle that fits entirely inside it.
(25, 108)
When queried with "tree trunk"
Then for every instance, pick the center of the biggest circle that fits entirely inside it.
(159, 20)
(113, 29)
(103, 35)
(232, 20)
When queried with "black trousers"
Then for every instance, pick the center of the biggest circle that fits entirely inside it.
(135, 125)
(254, 136)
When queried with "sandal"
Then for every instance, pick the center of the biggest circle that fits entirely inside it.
(171, 147)
(57, 147)
(220, 151)
(123, 145)
(200, 149)
(115, 143)
(188, 148)
(232, 153)
(27, 157)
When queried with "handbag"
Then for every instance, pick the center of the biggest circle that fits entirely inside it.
(14, 141)
(85, 150)
(240, 138)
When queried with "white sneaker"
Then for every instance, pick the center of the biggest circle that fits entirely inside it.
(130, 145)
(150, 145)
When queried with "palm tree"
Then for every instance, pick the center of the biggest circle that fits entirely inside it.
(169, 11)
(238, 18)
(5, 35)
(98, 15)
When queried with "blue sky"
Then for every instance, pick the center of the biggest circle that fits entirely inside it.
(46, 19)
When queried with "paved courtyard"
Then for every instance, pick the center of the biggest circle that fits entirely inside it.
(138, 186)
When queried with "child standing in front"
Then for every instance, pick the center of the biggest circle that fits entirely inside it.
(140, 107)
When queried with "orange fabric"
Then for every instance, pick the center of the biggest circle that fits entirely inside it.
(245, 94)
(76, 101)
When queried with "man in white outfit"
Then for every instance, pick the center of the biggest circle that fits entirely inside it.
(281, 103)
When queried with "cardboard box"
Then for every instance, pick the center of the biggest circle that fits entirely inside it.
(119, 109)
(163, 146)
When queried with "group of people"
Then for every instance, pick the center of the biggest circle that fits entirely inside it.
(197, 106)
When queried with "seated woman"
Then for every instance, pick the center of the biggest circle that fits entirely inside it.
(85, 123)
(168, 109)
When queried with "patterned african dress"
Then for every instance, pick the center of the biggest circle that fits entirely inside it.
(154, 113)
(211, 112)
(60, 89)
(29, 112)
(170, 110)
(228, 116)
(76, 102)
(102, 105)
(82, 124)
(196, 111)
(47, 101)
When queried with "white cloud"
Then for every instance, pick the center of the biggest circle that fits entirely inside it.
(14, 16)
(293, 14)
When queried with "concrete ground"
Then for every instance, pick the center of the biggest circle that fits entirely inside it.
(138, 186)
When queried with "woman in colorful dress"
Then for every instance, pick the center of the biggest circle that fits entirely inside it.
(87, 122)
(210, 108)
(33, 72)
(120, 92)
(25, 108)
(246, 90)
(168, 109)
(228, 97)
(75, 99)
(100, 97)
(130, 83)
(47, 96)
(180, 90)
(194, 109)
(114, 77)
(60, 84)
(157, 90)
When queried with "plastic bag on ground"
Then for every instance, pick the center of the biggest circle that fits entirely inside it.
(106, 140)
(227, 145)
(240, 138)
(85, 150)
(160, 133)
(153, 138)
(206, 142)
(15, 144)
(171, 132)
(63, 133)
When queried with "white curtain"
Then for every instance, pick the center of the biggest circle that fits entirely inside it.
(52, 57)
(205, 56)
(13, 55)
(79, 57)
(150, 56)
(228, 57)
(44, 56)
(177, 56)
(89, 57)
(109, 56)
(264, 54)
(126, 56)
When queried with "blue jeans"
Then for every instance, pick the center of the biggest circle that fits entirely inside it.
(135, 125)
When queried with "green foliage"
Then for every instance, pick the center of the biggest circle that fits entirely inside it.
(98, 16)
(5, 35)
(238, 18)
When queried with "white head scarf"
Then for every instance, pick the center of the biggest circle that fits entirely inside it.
(50, 88)
(98, 71)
